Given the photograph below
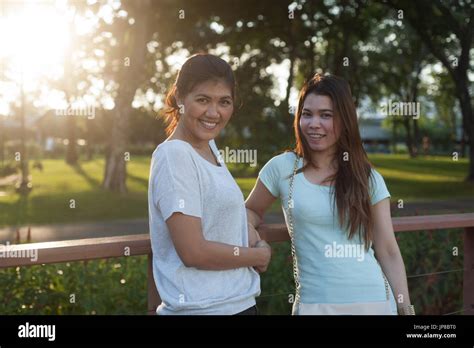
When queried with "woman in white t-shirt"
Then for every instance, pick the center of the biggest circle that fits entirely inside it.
(202, 262)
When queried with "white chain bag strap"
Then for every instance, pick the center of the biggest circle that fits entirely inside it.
(381, 308)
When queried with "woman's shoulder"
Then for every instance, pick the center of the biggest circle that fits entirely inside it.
(375, 175)
(376, 179)
(173, 147)
(281, 163)
(285, 158)
(175, 153)
(378, 187)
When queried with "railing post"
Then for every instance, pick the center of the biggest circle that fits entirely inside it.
(153, 296)
(468, 284)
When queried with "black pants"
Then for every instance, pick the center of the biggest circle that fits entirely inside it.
(249, 311)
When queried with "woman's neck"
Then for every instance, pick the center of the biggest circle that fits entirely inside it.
(325, 161)
(180, 134)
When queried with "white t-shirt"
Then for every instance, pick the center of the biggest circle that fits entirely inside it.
(183, 181)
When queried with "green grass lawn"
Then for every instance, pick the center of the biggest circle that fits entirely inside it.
(422, 179)
(432, 178)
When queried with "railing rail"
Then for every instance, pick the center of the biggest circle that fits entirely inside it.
(135, 245)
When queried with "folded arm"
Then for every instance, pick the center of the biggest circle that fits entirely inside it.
(195, 251)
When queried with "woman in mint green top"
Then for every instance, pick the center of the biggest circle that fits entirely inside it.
(324, 269)
(340, 209)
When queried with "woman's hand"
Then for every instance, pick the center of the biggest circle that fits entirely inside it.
(254, 237)
(266, 255)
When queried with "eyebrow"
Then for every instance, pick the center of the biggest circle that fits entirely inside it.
(206, 96)
(320, 110)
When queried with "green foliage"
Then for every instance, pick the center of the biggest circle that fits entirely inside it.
(112, 286)
(277, 283)
(429, 252)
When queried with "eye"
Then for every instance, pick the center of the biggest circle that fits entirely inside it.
(202, 100)
(327, 115)
(306, 114)
(226, 102)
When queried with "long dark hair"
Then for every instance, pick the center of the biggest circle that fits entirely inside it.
(197, 69)
(351, 189)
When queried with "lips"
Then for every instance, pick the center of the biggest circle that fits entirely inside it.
(208, 125)
(316, 136)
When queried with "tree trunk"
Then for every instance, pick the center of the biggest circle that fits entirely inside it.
(416, 136)
(468, 122)
(454, 132)
(470, 176)
(463, 143)
(69, 90)
(414, 96)
(287, 119)
(290, 82)
(394, 136)
(134, 52)
(115, 167)
(311, 59)
(466, 109)
(71, 150)
(24, 187)
(462, 93)
(115, 173)
(408, 138)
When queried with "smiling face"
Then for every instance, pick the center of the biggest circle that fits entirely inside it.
(317, 123)
(207, 109)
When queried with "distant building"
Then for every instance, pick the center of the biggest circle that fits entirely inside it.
(44, 129)
(374, 137)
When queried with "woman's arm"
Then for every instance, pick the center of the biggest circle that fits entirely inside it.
(195, 251)
(257, 203)
(388, 254)
(259, 200)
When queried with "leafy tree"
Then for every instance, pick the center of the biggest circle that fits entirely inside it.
(447, 30)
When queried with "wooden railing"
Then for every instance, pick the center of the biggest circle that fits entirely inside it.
(134, 245)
